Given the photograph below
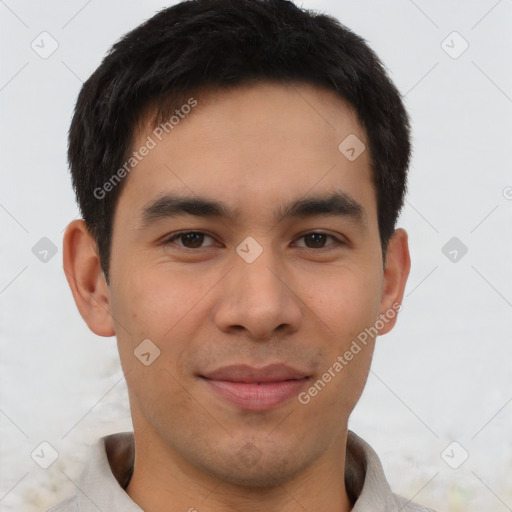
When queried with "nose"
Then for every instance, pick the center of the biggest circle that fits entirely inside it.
(258, 298)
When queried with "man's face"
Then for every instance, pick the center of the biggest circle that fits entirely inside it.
(252, 287)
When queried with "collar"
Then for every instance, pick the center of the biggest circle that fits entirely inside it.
(109, 467)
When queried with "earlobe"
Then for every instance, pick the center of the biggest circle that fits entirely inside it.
(85, 278)
(396, 272)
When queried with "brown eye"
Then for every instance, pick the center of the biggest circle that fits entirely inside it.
(189, 239)
(192, 240)
(318, 240)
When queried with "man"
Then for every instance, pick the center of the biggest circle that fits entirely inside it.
(240, 166)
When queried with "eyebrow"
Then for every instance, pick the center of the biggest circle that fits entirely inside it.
(335, 204)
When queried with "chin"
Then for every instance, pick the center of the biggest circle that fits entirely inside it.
(250, 468)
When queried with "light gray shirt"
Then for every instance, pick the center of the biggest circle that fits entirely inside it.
(107, 472)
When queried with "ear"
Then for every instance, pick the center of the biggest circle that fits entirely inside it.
(396, 271)
(85, 278)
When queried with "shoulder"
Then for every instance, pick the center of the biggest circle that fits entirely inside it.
(69, 505)
(365, 478)
(405, 505)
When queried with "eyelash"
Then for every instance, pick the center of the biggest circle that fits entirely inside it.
(171, 239)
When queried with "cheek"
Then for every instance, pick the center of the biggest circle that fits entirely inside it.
(161, 309)
(168, 309)
(158, 302)
(346, 302)
(347, 306)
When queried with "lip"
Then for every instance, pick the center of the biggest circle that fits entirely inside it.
(256, 389)
(249, 374)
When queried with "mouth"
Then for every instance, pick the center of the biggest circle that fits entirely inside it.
(256, 389)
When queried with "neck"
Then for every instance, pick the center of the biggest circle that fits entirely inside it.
(162, 481)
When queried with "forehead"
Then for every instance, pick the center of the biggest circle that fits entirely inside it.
(252, 145)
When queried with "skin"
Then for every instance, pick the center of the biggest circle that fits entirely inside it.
(253, 148)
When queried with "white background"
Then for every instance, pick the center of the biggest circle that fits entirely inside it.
(443, 375)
